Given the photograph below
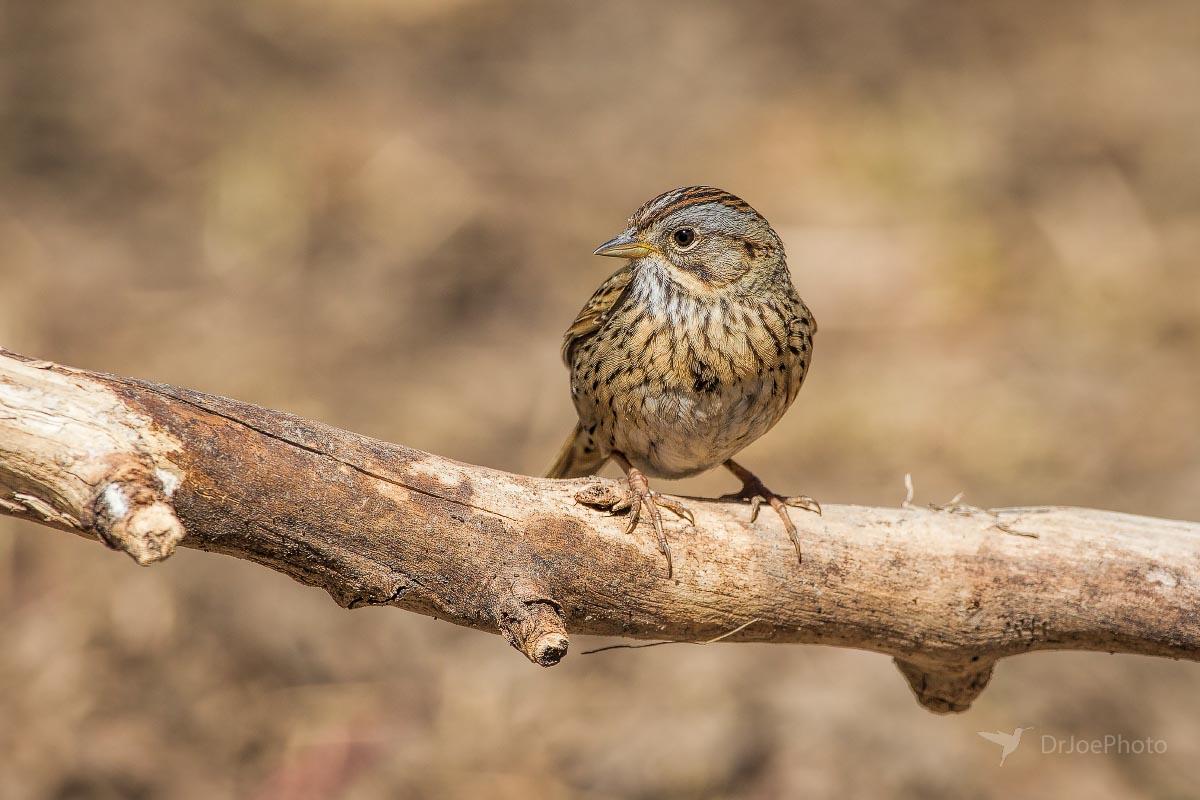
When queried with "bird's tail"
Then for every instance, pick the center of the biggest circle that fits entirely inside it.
(573, 459)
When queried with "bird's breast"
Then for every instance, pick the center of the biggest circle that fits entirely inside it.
(704, 380)
(679, 383)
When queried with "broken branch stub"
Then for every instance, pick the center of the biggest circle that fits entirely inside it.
(74, 455)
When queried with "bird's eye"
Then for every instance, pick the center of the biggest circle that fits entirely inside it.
(684, 238)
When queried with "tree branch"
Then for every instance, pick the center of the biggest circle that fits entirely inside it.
(946, 591)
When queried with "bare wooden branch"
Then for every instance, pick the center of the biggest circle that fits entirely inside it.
(947, 591)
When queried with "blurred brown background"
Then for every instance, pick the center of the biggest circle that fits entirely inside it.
(379, 214)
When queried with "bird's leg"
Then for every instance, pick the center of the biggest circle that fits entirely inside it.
(754, 491)
(640, 494)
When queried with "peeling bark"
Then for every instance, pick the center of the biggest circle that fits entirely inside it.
(946, 591)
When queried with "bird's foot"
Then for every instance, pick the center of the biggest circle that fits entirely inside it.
(755, 492)
(640, 496)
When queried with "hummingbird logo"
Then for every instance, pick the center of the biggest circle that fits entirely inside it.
(1008, 741)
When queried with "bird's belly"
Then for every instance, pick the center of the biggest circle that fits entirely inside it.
(674, 433)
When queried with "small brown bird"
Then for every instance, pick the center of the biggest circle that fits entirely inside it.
(688, 353)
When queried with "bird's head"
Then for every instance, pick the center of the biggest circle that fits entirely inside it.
(706, 237)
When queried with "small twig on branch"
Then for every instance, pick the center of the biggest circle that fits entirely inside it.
(145, 468)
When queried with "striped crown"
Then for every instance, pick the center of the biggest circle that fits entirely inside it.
(668, 203)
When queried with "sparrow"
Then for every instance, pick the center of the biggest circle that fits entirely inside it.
(689, 352)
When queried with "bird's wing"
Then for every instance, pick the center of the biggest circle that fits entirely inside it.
(597, 310)
(996, 738)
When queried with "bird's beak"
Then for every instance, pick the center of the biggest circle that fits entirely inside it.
(623, 246)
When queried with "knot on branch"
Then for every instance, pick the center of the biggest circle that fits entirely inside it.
(946, 688)
(532, 623)
(133, 512)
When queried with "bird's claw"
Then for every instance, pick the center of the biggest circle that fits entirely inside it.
(616, 502)
(755, 492)
(803, 501)
(675, 507)
(639, 496)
